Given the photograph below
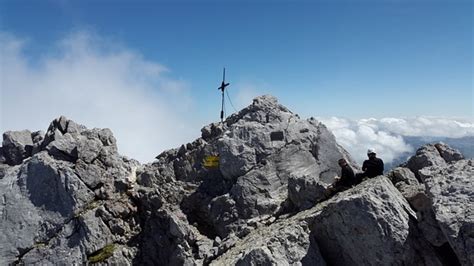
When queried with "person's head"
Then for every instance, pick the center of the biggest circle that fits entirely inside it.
(342, 162)
(371, 153)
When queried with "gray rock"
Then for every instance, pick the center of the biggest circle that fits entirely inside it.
(449, 154)
(17, 145)
(3, 159)
(212, 131)
(91, 174)
(405, 181)
(284, 243)
(438, 155)
(47, 204)
(3, 169)
(370, 224)
(79, 238)
(76, 198)
(38, 198)
(451, 191)
(414, 192)
(262, 146)
(53, 185)
(37, 136)
(305, 191)
(64, 147)
(429, 226)
(59, 127)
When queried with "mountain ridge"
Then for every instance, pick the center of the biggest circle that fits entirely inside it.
(69, 197)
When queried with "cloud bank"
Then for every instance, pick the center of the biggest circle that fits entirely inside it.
(98, 83)
(386, 134)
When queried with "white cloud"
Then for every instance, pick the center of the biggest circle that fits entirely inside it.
(97, 83)
(386, 134)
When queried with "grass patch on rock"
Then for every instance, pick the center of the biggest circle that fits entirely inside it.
(102, 254)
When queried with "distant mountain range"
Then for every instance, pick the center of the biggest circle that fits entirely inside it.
(465, 145)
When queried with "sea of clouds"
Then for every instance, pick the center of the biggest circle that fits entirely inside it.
(386, 134)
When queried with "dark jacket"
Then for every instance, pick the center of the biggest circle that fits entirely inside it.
(347, 177)
(373, 167)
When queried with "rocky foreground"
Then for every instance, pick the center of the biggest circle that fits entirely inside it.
(68, 197)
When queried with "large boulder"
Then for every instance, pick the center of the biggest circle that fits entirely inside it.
(371, 224)
(414, 192)
(451, 191)
(283, 243)
(405, 181)
(16, 146)
(437, 154)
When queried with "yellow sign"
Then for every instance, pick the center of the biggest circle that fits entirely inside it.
(211, 161)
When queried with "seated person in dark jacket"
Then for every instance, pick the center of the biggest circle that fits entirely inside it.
(345, 181)
(347, 175)
(373, 166)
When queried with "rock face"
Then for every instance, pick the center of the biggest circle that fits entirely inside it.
(451, 190)
(438, 154)
(371, 225)
(16, 146)
(58, 205)
(259, 149)
(250, 191)
(444, 199)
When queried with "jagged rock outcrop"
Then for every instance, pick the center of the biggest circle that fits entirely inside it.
(451, 192)
(438, 154)
(443, 200)
(260, 148)
(16, 146)
(55, 204)
(250, 191)
(370, 224)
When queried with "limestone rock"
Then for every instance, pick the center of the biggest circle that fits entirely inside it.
(414, 192)
(279, 244)
(305, 191)
(438, 154)
(451, 190)
(49, 202)
(259, 148)
(406, 182)
(3, 170)
(370, 224)
(38, 198)
(16, 146)
(250, 191)
(3, 159)
(449, 154)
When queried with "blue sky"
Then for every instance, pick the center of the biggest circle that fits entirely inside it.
(352, 59)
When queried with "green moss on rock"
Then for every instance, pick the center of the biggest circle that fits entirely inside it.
(102, 254)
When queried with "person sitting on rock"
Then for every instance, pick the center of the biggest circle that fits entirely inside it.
(345, 181)
(347, 178)
(372, 167)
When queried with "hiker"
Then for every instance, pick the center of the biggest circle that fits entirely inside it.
(372, 167)
(345, 181)
(347, 178)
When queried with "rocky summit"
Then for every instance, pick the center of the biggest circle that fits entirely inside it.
(252, 190)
